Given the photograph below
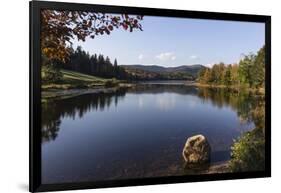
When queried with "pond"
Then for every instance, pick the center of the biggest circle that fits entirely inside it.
(138, 132)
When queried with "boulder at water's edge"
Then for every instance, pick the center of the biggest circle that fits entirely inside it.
(197, 150)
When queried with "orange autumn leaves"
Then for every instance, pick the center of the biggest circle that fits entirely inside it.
(60, 28)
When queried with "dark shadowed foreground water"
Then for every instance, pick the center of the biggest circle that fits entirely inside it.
(137, 132)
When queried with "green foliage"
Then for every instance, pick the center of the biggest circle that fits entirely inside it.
(140, 73)
(217, 73)
(205, 76)
(234, 74)
(95, 65)
(244, 71)
(252, 69)
(248, 152)
(227, 75)
(71, 79)
(50, 74)
(259, 69)
(250, 72)
(61, 28)
(111, 83)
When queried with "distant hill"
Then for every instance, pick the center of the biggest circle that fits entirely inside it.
(185, 72)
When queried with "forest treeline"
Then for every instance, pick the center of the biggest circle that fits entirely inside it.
(250, 72)
(83, 62)
(96, 65)
(101, 66)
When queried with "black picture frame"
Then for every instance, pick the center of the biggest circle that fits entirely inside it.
(35, 184)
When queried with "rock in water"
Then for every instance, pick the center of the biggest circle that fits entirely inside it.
(197, 150)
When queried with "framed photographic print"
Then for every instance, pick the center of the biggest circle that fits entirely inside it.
(124, 96)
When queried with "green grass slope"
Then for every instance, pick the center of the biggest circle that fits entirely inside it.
(76, 77)
(73, 79)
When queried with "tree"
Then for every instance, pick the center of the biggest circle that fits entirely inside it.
(115, 66)
(234, 74)
(201, 75)
(227, 75)
(215, 74)
(59, 28)
(207, 76)
(259, 69)
(115, 63)
(250, 72)
(245, 70)
(96, 65)
(221, 73)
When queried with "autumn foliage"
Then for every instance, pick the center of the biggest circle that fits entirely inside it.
(60, 28)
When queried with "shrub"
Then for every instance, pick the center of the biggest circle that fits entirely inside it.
(248, 152)
(50, 74)
(110, 83)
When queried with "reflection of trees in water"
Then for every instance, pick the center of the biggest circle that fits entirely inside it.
(248, 152)
(161, 88)
(50, 130)
(248, 105)
(55, 110)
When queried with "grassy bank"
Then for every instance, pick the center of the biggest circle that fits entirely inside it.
(75, 83)
(232, 87)
(76, 80)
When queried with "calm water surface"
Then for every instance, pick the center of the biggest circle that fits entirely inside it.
(137, 132)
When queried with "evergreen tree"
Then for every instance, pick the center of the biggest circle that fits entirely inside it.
(97, 65)
(227, 75)
(115, 63)
(259, 69)
(115, 66)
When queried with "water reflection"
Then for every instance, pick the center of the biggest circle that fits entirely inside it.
(248, 105)
(55, 110)
(140, 131)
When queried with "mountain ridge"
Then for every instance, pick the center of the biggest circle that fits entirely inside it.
(192, 69)
(186, 72)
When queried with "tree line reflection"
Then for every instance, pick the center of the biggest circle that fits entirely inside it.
(248, 105)
(248, 151)
(76, 107)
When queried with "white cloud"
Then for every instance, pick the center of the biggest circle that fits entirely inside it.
(194, 57)
(165, 103)
(140, 56)
(166, 56)
(209, 64)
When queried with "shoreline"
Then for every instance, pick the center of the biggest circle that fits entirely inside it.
(68, 93)
(221, 167)
(236, 88)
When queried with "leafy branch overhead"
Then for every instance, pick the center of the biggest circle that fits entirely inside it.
(60, 28)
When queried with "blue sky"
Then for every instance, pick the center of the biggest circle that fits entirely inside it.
(170, 41)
